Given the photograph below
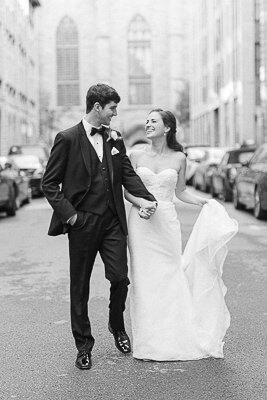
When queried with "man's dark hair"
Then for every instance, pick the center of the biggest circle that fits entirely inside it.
(101, 93)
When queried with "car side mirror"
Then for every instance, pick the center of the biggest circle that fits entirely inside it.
(245, 163)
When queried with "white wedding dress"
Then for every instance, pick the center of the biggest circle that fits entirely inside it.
(177, 305)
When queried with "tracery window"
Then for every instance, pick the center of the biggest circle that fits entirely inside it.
(67, 49)
(139, 61)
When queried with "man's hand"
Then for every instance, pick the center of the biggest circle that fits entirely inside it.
(147, 208)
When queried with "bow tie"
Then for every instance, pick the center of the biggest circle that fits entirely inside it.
(97, 130)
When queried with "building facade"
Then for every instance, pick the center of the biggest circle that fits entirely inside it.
(224, 87)
(19, 96)
(261, 69)
(137, 47)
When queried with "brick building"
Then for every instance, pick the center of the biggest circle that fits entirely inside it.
(19, 111)
(137, 47)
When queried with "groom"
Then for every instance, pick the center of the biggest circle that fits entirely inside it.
(83, 183)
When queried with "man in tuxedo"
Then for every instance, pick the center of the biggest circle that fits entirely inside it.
(83, 181)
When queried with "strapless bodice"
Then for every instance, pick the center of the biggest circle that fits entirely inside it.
(161, 185)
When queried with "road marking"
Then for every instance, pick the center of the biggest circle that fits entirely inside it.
(61, 322)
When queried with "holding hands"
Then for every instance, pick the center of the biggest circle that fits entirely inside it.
(147, 208)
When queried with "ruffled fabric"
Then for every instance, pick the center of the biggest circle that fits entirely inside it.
(177, 302)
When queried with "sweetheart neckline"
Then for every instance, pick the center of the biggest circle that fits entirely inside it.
(158, 173)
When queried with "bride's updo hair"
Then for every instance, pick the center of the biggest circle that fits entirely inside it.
(169, 121)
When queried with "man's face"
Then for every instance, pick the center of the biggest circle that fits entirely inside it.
(106, 113)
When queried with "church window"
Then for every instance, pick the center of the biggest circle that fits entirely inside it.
(67, 52)
(139, 61)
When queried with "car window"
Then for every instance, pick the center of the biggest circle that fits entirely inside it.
(259, 155)
(225, 159)
(234, 157)
(262, 158)
(255, 156)
(244, 157)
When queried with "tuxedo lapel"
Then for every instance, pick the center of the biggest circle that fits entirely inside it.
(107, 150)
(85, 148)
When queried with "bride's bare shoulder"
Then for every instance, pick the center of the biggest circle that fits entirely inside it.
(180, 155)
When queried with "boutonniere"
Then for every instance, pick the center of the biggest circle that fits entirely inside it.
(112, 134)
(114, 151)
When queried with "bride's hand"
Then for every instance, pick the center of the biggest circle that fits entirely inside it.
(143, 213)
(148, 205)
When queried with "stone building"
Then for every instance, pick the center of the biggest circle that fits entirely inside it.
(19, 111)
(137, 47)
(224, 87)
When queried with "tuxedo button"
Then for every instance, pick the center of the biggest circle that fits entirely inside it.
(103, 169)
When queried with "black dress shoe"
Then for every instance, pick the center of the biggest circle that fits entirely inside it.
(83, 360)
(122, 341)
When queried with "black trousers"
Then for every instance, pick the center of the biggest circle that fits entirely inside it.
(90, 234)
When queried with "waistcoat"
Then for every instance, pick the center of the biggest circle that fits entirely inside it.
(100, 196)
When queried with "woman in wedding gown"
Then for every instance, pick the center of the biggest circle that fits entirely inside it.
(177, 302)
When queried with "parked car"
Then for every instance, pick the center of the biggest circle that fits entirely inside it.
(195, 154)
(250, 188)
(14, 187)
(203, 173)
(223, 176)
(33, 168)
(39, 150)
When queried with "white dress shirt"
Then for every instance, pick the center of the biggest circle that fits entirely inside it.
(96, 140)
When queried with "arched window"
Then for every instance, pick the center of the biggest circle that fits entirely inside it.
(139, 59)
(67, 63)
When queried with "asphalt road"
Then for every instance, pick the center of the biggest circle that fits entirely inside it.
(37, 350)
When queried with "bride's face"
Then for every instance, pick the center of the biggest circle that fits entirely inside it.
(154, 125)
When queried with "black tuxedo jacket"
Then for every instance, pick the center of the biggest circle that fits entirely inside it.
(67, 178)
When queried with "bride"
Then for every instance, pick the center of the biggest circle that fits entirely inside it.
(177, 302)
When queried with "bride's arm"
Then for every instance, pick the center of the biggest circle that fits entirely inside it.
(138, 201)
(182, 193)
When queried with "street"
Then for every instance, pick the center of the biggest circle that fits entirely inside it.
(37, 349)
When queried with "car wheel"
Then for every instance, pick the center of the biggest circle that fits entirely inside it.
(214, 195)
(18, 203)
(190, 181)
(195, 184)
(206, 187)
(258, 212)
(225, 194)
(11, 210)
(237, 204)
(29, 197)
